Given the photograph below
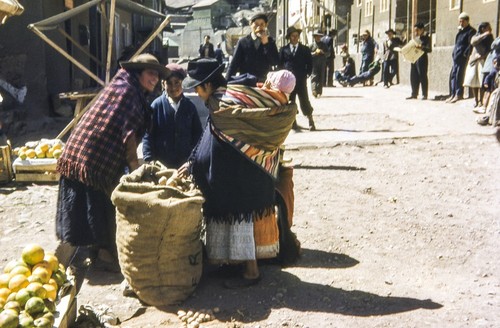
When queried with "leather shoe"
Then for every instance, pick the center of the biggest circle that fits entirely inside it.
(411, 97)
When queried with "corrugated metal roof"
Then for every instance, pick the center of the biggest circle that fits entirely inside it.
(180, 3)
(205, 3)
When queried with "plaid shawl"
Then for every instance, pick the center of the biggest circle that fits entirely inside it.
(95, 153)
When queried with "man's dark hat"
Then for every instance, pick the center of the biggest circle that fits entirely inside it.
(259, 16)
(146, 61)
(292, 29)
(390, 31)
(318, 32)
(201, 70)
(419, 25)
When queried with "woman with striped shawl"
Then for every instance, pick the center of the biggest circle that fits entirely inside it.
(235, 165)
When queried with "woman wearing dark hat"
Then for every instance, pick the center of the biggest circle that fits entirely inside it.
(418, 73)
(176, 125)
(235, 166)
(256, 53)
(99, 151)
(297, 58)
(391, 57)
(318, 52)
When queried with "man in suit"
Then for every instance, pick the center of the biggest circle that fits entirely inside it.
(255, 53)
(418, 73)
(297, 58)
(461, 53)
(206, 48)
(391, 57)
(330, 57)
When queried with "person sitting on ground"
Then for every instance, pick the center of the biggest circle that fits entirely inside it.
(373, 69)
(492, 82)
(176, 126)
(345, 73)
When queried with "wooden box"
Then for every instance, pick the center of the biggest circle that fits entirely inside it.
(66, 309)
(36, 170)
(5, 164)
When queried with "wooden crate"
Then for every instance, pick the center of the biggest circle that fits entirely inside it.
(36, 170)
(5, 164)
(66, 309)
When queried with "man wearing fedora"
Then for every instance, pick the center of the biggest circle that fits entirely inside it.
(391, 57)
(418, 73)
(318, 51)
(297, 58)
(255, 53)
(330, 57)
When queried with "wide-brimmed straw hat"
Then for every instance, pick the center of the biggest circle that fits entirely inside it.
(292, 29)
(200, 71)
(146, 61)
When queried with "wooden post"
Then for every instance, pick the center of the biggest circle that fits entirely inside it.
(65, 54)
(359, 30)
(152, 36)
(76, 118)
(76, 44)
(110, 39)
(414, 12)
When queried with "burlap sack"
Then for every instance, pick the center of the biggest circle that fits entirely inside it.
(158, 237)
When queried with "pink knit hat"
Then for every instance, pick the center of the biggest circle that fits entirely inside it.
(282, 80)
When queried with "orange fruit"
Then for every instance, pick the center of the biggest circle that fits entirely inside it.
(32, 254)
(17, 282)
(20, 270)
(4, 279)
(42, 273)
(12, 264)
(4, 293)
(51, 292)
(37, 289)
(43, 264)
(52, 260)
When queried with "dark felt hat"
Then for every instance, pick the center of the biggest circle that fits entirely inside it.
(390, 31)
(146, 61)
(259, 16)
(201, 70)
(292, 29)
(419, 25)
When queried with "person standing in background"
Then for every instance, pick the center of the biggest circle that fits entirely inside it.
(297, 58)
(330, 57)
(391, 57)
(206, 48)
(318, 51)
(460, 56)
(219, 54)
(418, 73)
(255, 53)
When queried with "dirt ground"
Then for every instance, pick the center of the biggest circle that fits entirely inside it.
(396, 232)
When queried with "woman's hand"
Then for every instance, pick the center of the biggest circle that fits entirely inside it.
(183, 171)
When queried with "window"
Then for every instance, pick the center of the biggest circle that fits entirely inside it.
(384, 5)
(368, 8)
(360, 2)
(454, 4)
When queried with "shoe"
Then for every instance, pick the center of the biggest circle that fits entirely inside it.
(314, 94)
(312, 126)
(386, 86)
(411, 97)
(483, 120)
(241, 282)
(424, 98)
(479, 110)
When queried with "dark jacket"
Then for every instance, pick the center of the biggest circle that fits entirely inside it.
(300, 64)
(173, 134)
(247, 59)
(389, 52)
(368, 50)
(211, 52)
(463, 47)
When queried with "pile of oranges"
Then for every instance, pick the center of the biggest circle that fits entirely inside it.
(29, 288)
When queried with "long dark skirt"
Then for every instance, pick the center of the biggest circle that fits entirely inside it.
(85, 216)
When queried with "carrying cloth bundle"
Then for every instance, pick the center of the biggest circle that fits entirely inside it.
(263, 127)
(158, 236)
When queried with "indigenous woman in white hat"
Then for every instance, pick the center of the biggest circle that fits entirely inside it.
(99, 151)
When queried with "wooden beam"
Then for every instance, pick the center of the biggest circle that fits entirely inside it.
(95, 59)
(110, 39)
(65, 54)
(152, 36)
